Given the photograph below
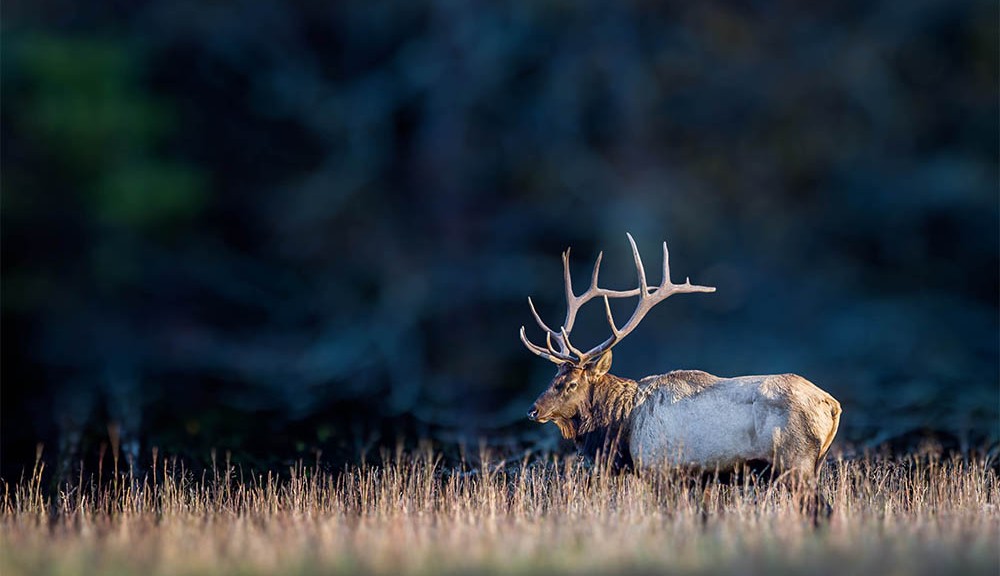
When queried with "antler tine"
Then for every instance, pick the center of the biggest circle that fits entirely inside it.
(666, 267)
(549, 354)
(565, 337)
(552, 351)
(538, 318)
(564, 347)
(643, 288)
(611, 318)
(533, 347)
(616, 335)
(597, 269)
(570, 297)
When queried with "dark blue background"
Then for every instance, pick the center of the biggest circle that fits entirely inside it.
(275, 227)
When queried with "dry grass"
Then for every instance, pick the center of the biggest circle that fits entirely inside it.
(407, 514)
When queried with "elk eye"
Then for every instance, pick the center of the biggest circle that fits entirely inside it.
(571, 386)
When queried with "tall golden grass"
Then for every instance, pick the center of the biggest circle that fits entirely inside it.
(408, 514)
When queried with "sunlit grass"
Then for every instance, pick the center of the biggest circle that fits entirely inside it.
(406, 513)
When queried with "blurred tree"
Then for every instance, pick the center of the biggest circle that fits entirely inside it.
(276, 224)
(87, 106)
(99, 133)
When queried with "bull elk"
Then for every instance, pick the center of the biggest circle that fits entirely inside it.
(684, 417)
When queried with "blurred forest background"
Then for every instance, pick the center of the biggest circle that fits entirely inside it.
(272, 228)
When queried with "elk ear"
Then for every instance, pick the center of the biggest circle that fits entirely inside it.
(603, 364)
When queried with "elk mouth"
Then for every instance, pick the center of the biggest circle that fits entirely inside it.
(535, 417)
(567, 426)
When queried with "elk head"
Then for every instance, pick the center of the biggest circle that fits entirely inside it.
(573, 393)
(570, 394)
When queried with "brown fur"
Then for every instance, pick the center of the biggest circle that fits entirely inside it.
(611, 400)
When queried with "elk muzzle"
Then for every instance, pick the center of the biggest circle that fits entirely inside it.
(541, 411)
(540, 416)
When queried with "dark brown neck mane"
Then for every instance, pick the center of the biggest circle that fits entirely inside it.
(602, 425)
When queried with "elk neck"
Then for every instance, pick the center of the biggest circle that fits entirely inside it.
(603, 425)
(611, 401)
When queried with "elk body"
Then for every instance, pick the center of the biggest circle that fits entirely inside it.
(684, 417)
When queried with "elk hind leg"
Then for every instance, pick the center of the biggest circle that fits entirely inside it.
(802, 481)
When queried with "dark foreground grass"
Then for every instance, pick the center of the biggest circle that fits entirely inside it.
(920, 514)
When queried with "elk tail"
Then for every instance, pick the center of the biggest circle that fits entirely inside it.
(835, 416)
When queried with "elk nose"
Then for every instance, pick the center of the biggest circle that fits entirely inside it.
(533, 414)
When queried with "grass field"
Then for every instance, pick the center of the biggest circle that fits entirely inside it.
(406, 513)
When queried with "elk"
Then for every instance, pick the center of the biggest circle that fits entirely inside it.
(685, 418)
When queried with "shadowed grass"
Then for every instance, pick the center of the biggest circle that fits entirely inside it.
(408, 514)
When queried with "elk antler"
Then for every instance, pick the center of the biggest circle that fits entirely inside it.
(648, 297)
